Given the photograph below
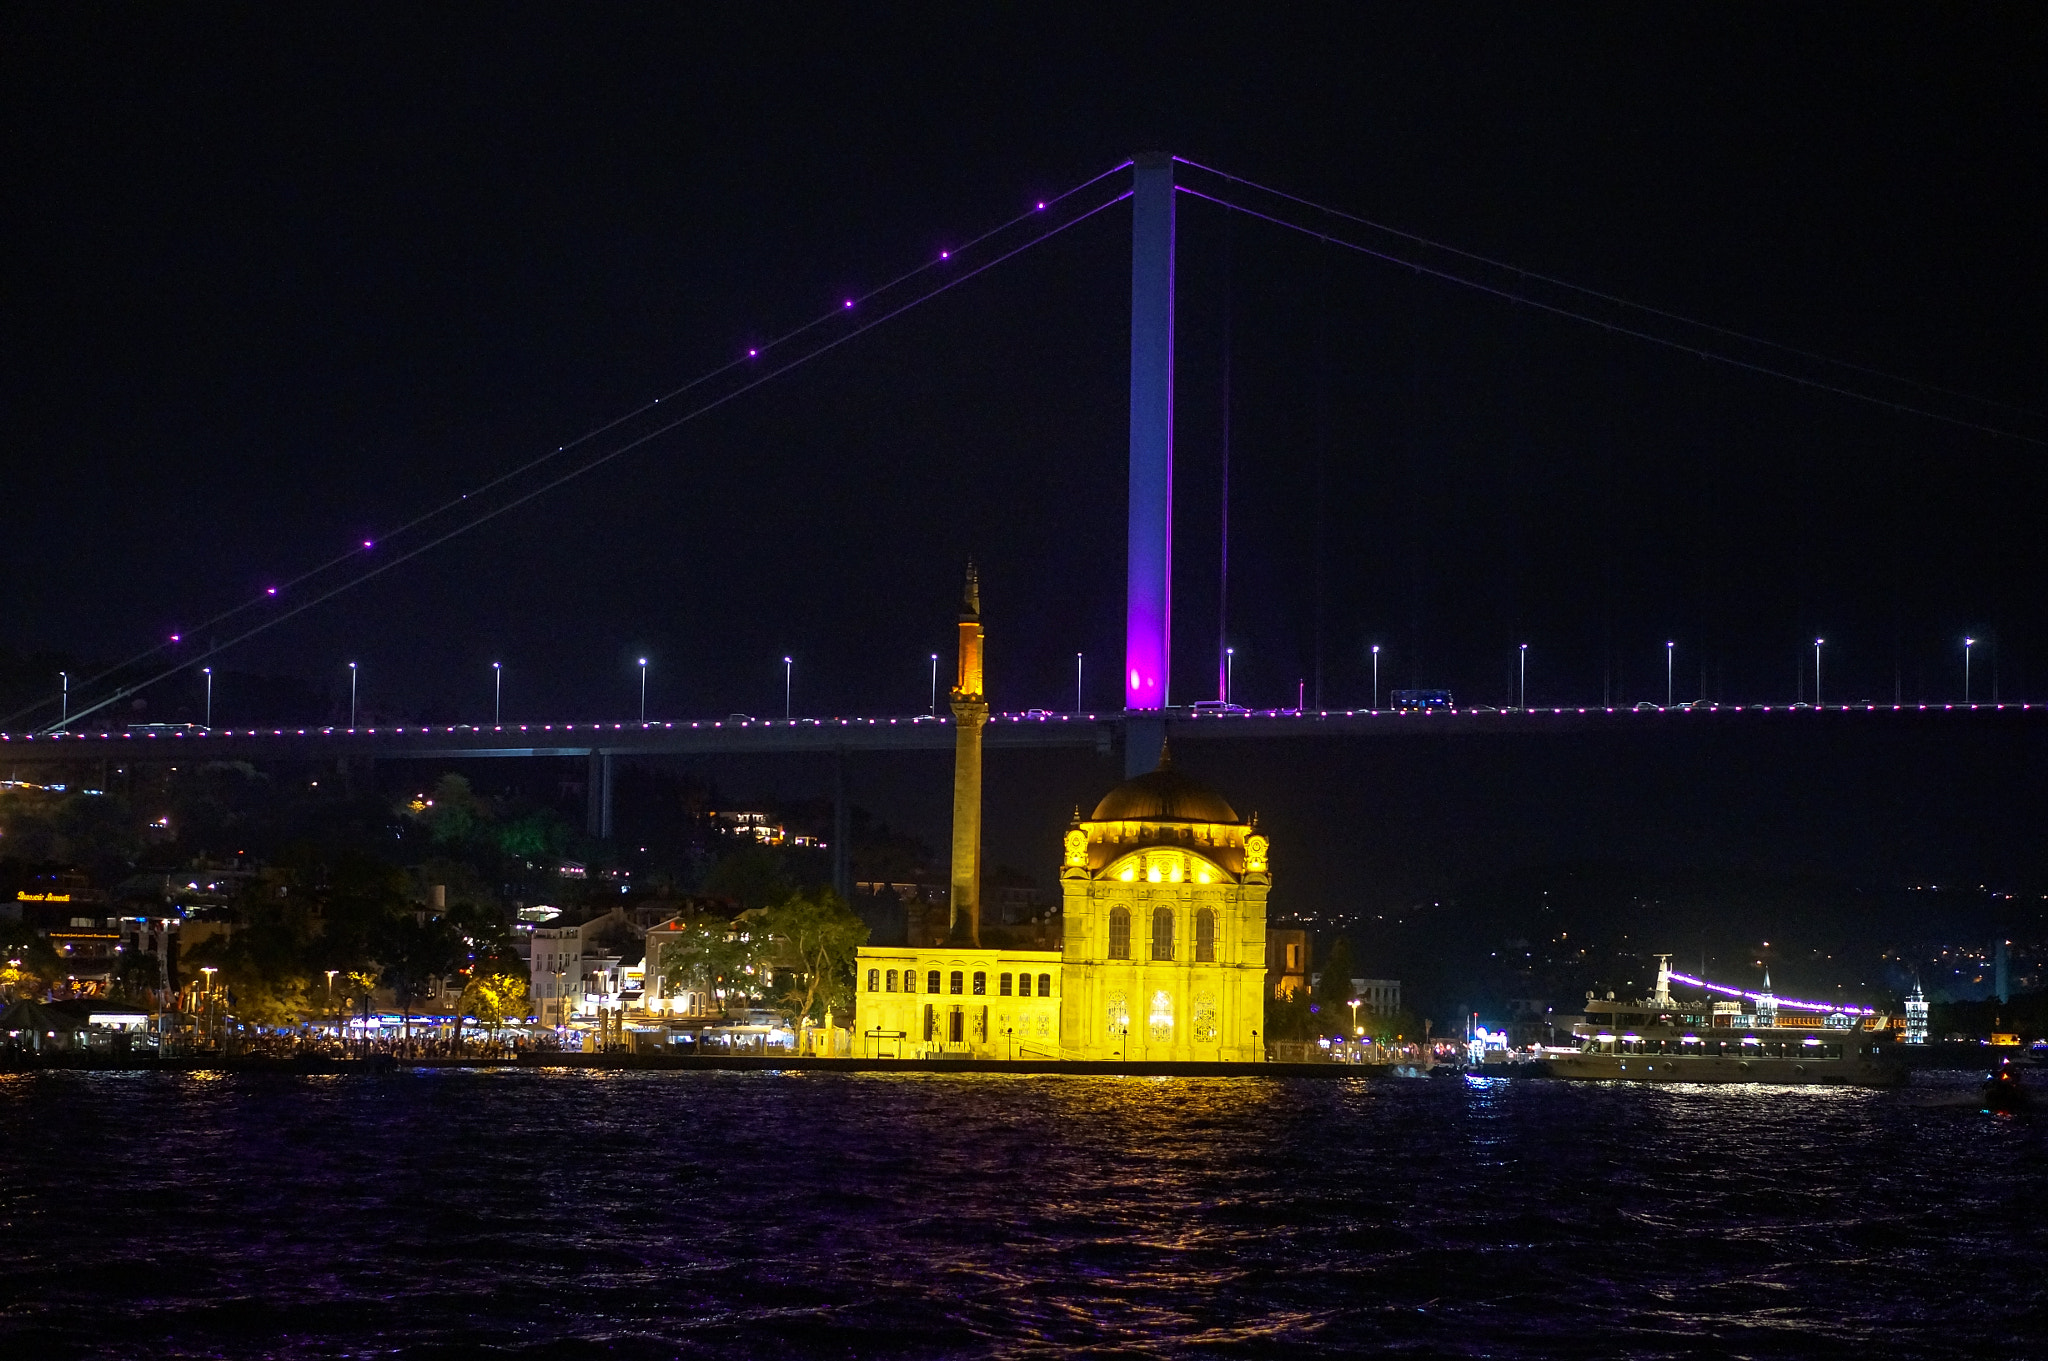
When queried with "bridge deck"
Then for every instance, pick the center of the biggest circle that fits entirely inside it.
(920, 732)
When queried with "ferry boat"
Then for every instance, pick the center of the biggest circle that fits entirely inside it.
(1728, 1035)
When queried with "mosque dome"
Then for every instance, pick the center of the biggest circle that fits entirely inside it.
(1164, 795)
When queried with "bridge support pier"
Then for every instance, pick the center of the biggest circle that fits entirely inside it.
(597, 806)
(1144, 739)
(842, 831)
(1148, 608)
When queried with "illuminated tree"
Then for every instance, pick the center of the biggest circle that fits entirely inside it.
(495, 996)
(723, 959)
(813, 943)
(28, 964)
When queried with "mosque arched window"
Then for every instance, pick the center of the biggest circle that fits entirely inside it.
(1119, 933)
(931, 981)
(874, 980)
(889, 981)
(1205, 936)
(1160, 1022)
(980, 984)
(1044, 987)
(959, 982)
(1162, 933)
(1003, 985)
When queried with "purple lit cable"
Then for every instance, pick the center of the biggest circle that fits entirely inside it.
(599, 461)
(1792, 1002)
(1616, 328)
(1617, 300)
(608, 426)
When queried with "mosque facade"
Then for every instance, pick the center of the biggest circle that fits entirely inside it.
(1163, 957)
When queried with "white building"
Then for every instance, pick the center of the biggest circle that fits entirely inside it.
(571, 976)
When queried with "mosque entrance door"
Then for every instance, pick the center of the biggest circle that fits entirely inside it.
(956, 1031)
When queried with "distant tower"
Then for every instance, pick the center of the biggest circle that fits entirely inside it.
(1766, 1005)
(2001, 971)
(1916, 1015)
(1663, 997)
(970, 715)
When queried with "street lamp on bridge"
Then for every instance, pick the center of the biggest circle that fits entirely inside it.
(1669, 649)
(643, 689)
(1521, 685)
(351, 695)
(1968, 643)
(498, 694)
(1229, 673)
(787, 666)
(934, 710)
(1375, 677)
(207, 672)
(1816, 671)
(1077, 682)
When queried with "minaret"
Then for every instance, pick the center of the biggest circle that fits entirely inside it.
(970, 714)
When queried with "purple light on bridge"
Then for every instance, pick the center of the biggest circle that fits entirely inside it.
(270, 590)
(368, 544)
(175, 638)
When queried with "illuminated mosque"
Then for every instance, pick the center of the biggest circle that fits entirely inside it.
(1163, 894)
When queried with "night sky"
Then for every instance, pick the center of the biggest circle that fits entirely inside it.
(278, 280)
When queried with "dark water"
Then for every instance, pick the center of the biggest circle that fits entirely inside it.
(754, 1215)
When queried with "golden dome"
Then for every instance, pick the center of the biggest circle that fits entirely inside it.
(1164, 795)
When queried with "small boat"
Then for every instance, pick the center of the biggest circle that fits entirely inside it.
(2003, 1090)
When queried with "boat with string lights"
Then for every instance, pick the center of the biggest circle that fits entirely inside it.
(1728, 1034)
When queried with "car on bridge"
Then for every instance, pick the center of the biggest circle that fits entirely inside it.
(1410, 701)
(1216, 706)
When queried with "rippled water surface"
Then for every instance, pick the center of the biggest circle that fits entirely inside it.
(525, 1213)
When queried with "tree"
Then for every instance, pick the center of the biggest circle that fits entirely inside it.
(1333, 986)
(1390, 1026)
(28, 963)
(495, 995)
(716, 956)
(814, 939)
(751, 875)
(1290, 1017)
(414, 953)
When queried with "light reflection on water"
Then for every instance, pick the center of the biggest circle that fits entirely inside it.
(657, 1214)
